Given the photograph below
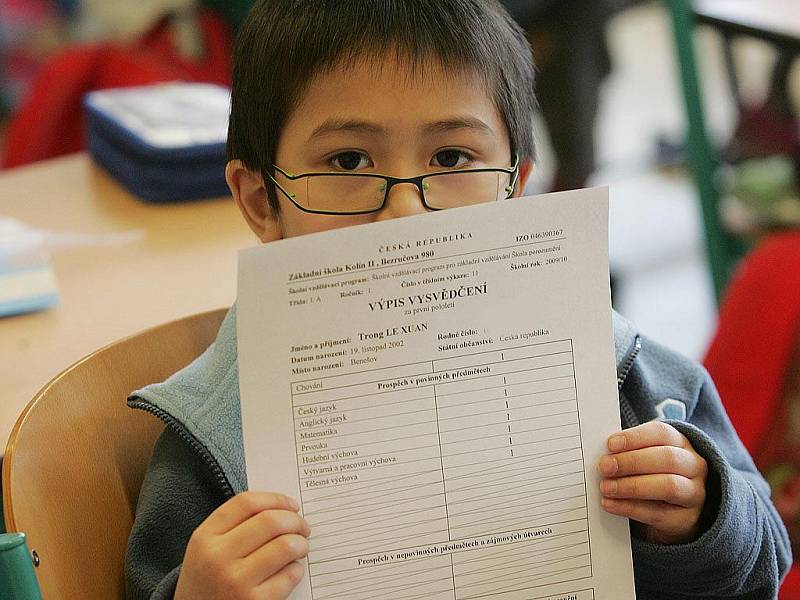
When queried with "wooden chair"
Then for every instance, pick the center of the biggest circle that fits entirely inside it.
(77, 455)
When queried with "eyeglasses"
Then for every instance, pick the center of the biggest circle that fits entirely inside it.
(360, 193)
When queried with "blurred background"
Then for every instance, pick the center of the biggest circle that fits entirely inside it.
(659, 258)
(686, 109)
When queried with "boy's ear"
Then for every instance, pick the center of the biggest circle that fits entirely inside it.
(250, 195)
(525, 170)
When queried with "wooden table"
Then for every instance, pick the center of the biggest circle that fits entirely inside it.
(183, 263)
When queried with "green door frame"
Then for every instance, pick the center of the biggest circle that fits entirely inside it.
(723, 250)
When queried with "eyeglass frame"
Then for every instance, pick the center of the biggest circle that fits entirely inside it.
(390, 183)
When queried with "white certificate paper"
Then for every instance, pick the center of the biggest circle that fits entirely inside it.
(436, 391)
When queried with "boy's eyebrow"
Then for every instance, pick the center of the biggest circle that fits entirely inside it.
(345, 125)
(456, 123)
(358, 126)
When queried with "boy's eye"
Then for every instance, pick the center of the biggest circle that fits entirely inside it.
(451, 159)
(351, 161)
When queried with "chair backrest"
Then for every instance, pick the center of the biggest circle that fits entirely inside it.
(77, 455)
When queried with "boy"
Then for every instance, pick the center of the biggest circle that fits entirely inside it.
(408, 87)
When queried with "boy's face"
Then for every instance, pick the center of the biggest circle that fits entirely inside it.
(378, 117)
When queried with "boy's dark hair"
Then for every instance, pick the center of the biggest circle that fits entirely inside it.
(282, 44)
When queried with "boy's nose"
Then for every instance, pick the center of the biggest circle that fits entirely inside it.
(404, 200)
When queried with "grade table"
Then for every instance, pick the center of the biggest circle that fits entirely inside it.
(403, 469)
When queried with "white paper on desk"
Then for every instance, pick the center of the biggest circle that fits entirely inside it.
(436, 390)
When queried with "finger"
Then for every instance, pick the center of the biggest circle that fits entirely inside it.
(672, 489)
(271, 560)
(653, 433)
(282, 583)
(659, 459)
(259, 529)
(243, 506)
(673, 523)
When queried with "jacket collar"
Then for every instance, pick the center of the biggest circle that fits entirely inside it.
(203, 400)
(626, 338)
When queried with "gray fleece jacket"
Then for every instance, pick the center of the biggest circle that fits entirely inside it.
(198, 463)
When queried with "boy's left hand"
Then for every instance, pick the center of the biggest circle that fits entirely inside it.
(654, 476)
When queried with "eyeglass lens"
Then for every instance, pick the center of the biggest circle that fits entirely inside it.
(359, 194)
(463, 189)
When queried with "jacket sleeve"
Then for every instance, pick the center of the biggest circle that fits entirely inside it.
(744, 549)
(177, 494)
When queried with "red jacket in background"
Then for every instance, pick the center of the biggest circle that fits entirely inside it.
(50, 121)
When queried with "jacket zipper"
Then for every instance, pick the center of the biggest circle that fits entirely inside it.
(628, 364)
(187, 437)
(627, 414)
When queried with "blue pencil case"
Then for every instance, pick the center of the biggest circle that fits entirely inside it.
(165, 143)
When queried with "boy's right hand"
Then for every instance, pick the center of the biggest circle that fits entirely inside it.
(247, 548)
